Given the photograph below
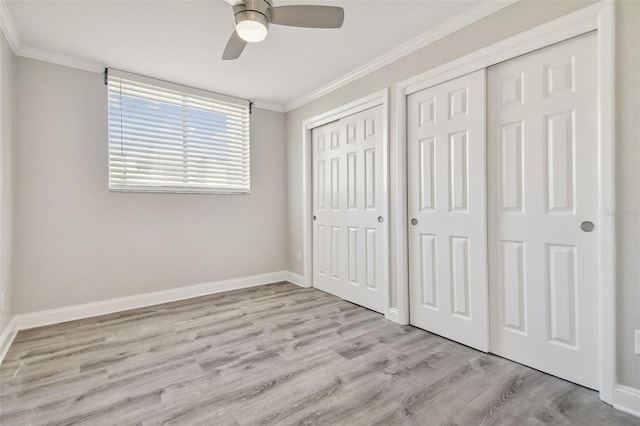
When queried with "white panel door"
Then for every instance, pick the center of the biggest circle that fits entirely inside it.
(350, 231)
(447, 209)
(543, 180)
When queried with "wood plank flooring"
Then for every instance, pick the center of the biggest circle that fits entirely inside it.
(275, 354)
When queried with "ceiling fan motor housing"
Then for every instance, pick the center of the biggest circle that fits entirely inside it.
(255, 10)
(252, 19)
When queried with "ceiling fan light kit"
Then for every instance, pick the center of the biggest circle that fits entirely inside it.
(253, 17)
(251, 26)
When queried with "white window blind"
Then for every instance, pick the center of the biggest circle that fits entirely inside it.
(168, 138)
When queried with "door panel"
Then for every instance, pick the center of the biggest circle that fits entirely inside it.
(350, 254)
(542, 162)
(447, 199)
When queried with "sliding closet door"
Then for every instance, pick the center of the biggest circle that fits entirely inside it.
(447, 209)
(543, 205)
(350, 230)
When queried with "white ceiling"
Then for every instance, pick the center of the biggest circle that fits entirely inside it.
(182, 41)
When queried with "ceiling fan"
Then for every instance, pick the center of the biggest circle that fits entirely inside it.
(252, 19)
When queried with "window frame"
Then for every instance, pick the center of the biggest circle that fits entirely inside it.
(222, 100)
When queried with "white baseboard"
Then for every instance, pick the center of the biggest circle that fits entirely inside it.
(6, 338)
(627, 399)
(87, 310)
(296, 279)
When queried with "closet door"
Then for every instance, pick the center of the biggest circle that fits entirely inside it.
(543, 205)
(350, 229)
(447, 209)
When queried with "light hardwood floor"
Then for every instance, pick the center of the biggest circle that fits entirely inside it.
(275, 354)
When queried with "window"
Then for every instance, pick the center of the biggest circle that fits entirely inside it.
(169, 138)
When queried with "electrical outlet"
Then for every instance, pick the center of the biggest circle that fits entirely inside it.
(299, 256)
(637, 351)
(2, 301)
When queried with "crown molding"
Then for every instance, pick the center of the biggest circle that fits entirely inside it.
(269, 106)
(58, 59)
(484, 9)
(8, 29)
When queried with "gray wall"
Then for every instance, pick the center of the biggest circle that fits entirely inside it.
(75, 242)
(7, 79)
(628, 187)
(508, 22)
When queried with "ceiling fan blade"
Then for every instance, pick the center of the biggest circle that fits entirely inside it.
(235, 2)
(234, 48)
(308, 16)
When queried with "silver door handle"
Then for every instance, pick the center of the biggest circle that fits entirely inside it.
(414, 221)
(314, 217)
(380, 219)
(587, 226)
